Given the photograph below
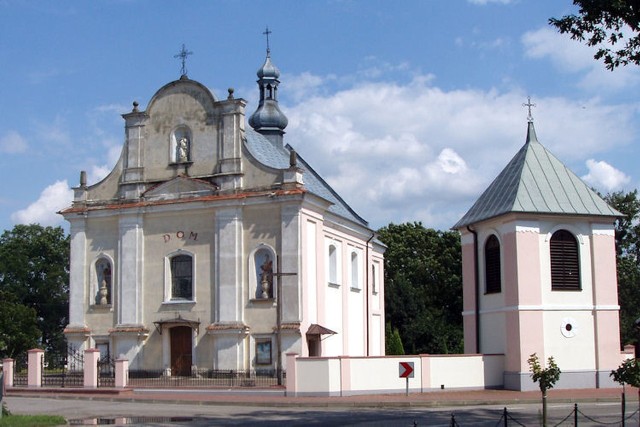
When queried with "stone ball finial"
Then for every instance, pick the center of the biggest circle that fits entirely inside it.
(230, 90)
(135, 106)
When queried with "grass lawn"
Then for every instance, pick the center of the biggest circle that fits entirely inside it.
(32, 421)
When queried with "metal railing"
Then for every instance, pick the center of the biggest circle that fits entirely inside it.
(203, 378)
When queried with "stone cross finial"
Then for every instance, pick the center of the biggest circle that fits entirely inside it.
(528, 104)
(183, 56)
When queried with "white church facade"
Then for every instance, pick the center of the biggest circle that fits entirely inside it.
(214, 245)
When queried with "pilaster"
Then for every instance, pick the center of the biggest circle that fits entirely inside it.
(229, 255)
(131, 259)
(290, 260)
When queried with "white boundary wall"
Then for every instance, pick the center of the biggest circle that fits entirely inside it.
(346, 376)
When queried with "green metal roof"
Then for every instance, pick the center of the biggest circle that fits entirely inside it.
(535, 181)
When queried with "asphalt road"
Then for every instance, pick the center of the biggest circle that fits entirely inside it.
(141, 413)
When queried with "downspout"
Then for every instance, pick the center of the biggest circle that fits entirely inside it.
(477, 285)
(366, 284)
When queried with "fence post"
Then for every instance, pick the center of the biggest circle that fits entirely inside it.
(91, 357)
(575, 414)
(122, 373)
(8, 368)
(505, 415)
(292, 373)
(35, 358)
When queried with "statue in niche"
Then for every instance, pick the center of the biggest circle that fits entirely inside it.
(266, 277)
(104, 291)
(183, 150)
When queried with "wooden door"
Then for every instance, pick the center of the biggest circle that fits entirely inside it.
(181, 351)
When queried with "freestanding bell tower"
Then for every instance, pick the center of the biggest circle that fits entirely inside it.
(539, 272)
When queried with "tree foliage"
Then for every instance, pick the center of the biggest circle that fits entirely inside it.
(627, 373)
(18, 327)
(627, 234)
(34, 272)
(423, 287)
(545, 377)
(393, 344)
(604, 23)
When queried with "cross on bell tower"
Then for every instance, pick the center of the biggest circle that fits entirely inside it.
(528, 104)
(183, 54)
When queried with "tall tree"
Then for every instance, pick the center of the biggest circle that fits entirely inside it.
(34, 269)
(423, 287)
(628, 261)
(606, 22)
(18, 327)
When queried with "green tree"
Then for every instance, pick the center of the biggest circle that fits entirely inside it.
(604, 22)
(627, 373)
(423, 287)
(627, 234)
(545, 377)
(18, 327)
(393, 344)
(34, 269)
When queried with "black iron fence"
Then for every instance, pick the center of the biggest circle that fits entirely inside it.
(65, 370)
(106, 372)
(575, 418)
(20, 372)
(204, 378)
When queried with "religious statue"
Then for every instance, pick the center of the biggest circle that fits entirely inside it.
(103, 292)
(183, 150)
(266, 277)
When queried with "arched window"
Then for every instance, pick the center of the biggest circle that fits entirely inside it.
(104, 281)
(182, 277)
(333, 265)
(355, 276)
(492, 270)
(565, 261)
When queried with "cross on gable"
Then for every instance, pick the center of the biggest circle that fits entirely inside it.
(183, 56)
(528, 104)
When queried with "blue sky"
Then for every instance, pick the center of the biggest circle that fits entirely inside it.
(408, 109)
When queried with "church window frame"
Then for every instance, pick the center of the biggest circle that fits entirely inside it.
(355, 276)
(334, 266)
(564, 257)
(492, 265)
(180, 277)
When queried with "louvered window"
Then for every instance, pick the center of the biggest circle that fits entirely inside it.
(565, 262)
(492, 273)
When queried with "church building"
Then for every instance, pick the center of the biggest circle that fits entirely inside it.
(214, 245)
(539, 272)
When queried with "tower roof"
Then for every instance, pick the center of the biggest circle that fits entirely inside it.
(535, 181)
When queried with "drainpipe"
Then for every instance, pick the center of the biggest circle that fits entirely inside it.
(477, 285)
(366, 285)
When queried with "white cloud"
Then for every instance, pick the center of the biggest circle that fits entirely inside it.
(604, 176)
(571, 56)
(405, 152)
(43, 211)
(12, 142)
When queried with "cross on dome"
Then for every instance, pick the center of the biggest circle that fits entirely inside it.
(266, 33)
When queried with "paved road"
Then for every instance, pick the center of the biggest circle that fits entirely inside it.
(144, 413)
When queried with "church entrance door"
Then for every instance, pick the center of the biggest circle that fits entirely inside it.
(181, 351)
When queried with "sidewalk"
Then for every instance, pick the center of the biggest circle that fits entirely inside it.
(274, 397)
